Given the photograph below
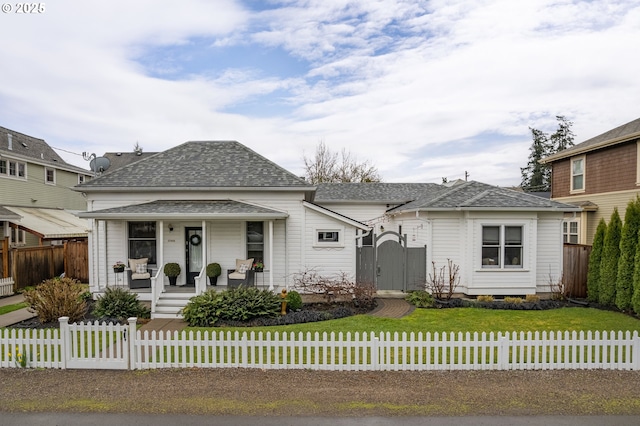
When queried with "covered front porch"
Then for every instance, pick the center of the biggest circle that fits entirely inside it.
(191, 234)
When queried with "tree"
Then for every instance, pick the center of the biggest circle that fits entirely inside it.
(327, 167)
(593, 275)
(609, 262)
(536, 176)
(635, 299)
(626, 263)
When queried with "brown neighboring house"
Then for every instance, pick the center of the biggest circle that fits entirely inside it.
(598, 175)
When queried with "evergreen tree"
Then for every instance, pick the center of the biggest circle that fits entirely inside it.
(562, 138)
(626, 263)
(593, 276)
(635, 300)
(609, 262)
(536, 176)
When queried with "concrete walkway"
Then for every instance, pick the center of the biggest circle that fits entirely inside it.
(15, 316)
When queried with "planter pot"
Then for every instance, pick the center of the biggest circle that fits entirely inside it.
(118, 270)
(213, 280)
(173, 280)
(258, 269)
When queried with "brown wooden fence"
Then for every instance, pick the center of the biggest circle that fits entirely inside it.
(31, 265)
(575, 267)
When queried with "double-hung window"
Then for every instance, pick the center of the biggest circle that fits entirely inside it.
(50, 175)
(502, 246)
(142, 241)
(570, 231)
(255, 241)
(15, 169)
(577, 174)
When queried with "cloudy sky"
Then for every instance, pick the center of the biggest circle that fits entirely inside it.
(421, 89)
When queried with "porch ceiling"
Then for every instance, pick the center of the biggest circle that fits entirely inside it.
(188, 209)
(49, 223)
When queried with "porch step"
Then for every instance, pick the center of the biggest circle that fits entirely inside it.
(170, 304)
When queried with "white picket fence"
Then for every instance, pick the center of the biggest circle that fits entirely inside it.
(6, 286)
(124, 347)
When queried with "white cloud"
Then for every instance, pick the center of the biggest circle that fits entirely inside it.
(387, 80)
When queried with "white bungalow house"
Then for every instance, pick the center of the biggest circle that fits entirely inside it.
(219, 201)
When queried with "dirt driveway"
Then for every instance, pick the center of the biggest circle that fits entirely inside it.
(314, 393)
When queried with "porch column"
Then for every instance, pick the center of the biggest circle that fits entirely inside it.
(271, 288)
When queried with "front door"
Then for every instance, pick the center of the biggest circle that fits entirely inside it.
(193, 244)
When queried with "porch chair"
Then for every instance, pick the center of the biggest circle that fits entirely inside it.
(139, 274)
(243, 275)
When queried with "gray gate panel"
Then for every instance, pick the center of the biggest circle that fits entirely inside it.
(364, 265)
(390, 266)
(416, 268)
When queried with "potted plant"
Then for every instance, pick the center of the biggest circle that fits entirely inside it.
(213, 272)
(172, 270)
(258, 266)
(118, 267)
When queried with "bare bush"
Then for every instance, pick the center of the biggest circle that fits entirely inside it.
(332, 287)
(442, 283)
(556, 287)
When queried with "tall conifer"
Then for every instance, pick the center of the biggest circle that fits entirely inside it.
(626, 263)
(593, 277)
(609, 263)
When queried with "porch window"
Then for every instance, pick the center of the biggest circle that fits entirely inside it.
(577, 174)
(18, 237)
(255, 241)
(502, 246)
(570, 232)
(142, 241)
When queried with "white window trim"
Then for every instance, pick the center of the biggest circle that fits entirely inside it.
(81, 179)
(339, 243)
(18, 237)
(584, 174)
(568, 233)
(502, 267)
(46, 169)
(17, 165)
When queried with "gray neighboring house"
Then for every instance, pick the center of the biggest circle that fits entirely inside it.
(219, 201)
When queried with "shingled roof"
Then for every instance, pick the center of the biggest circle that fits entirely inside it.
(29, 147)
(200, 165)
(620, 134)
(378, 192)
(474, 195)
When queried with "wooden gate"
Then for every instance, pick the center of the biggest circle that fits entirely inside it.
(390, 265)
(575, 268)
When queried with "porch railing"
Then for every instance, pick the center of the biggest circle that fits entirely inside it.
(157, 287)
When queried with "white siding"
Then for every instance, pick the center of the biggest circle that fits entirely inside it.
(329, 261)
(549, 254)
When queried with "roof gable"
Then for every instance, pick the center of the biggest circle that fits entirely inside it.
(477, 195)
(375, 192)
(203, 164)
(626, 132)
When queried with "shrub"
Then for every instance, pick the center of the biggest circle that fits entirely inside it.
(532, 298)
(420, 299)
(485, 298)
(172, 269)
(57, 297)
(214, 270)
(626, 263)
(609, 262)
(514, 300)
(364, 295)
(236, 304)
(294, 301)
(120, 304)
(593, 274)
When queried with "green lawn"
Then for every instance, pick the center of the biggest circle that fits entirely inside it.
(10, 308)
(466, 319)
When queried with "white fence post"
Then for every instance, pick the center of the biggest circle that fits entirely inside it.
(503, 352)
(131, 342)
(65, 339)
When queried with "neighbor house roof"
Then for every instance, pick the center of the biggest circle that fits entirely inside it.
(620, 134)
(29, 148)
(480, 196)
(376, 192)
(188, 209)
(49, 223)
(121, 159)
(197, 166)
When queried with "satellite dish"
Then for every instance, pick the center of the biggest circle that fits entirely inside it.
(99, 164)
